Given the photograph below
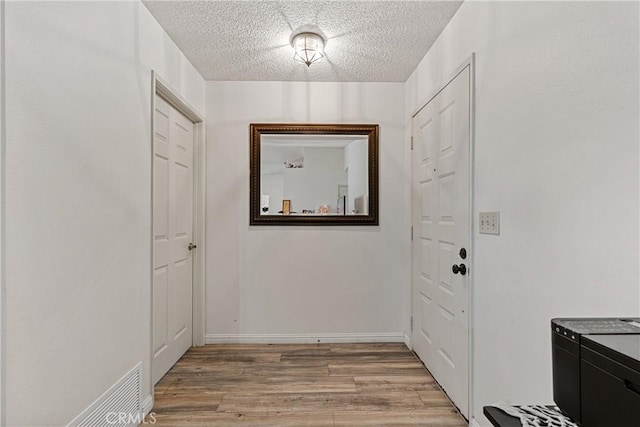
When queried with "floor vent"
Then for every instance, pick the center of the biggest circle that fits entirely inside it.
(118, 407)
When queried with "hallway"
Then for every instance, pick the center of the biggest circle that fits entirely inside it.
(554, 158)
(295, 385)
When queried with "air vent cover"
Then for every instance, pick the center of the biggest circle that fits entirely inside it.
(119, 406)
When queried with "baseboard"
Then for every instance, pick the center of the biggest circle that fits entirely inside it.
(302, 338)
(474, 423)
(147, 406)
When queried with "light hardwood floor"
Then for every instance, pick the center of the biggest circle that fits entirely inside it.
(301, 385)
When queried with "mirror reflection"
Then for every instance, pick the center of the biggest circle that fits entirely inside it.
(314, 174)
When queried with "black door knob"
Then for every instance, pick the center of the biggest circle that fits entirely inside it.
(463, 253)
(462, 269)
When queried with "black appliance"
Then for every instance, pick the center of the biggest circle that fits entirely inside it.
(569, 346)
(610, 380)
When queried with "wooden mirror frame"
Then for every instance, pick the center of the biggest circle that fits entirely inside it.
(257, 129)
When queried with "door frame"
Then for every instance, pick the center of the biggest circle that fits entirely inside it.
(468, 62)
(170, 95)
(3, 234)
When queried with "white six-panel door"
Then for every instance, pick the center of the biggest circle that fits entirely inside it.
(441, 225)
(173, 143)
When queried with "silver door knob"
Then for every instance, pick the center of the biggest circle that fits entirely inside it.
(192, 246)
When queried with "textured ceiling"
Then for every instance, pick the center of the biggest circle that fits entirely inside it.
(373, 41)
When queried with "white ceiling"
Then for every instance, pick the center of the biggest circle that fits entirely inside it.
(373, 41)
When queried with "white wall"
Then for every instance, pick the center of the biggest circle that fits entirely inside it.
(272, 184)
(309, 188)
(324, 158)
(357, 160)
(317, 182)
(302, 281)
(78, 199)
(556, 152)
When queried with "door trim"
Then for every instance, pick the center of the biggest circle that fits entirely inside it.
(470, 62)
(166, 92)
(3, 225)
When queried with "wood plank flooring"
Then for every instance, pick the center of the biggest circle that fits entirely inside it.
(301, 385)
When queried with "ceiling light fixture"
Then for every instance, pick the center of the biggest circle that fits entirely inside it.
(308, 42)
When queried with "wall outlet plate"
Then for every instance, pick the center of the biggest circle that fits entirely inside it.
(490, 223)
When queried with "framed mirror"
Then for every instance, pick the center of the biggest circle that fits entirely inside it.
(315, 174)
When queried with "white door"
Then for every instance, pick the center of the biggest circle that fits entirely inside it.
(172, 235)
(441, 224)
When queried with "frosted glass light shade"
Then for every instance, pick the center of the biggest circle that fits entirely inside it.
(308, 47)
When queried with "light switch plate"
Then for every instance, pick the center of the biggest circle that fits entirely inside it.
(490, 223)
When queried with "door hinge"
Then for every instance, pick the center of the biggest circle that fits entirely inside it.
(412, 143)
(412, 233)
(411, 323)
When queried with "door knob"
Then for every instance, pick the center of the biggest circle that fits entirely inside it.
(191, 246)
(463, 253)
(462, 269)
